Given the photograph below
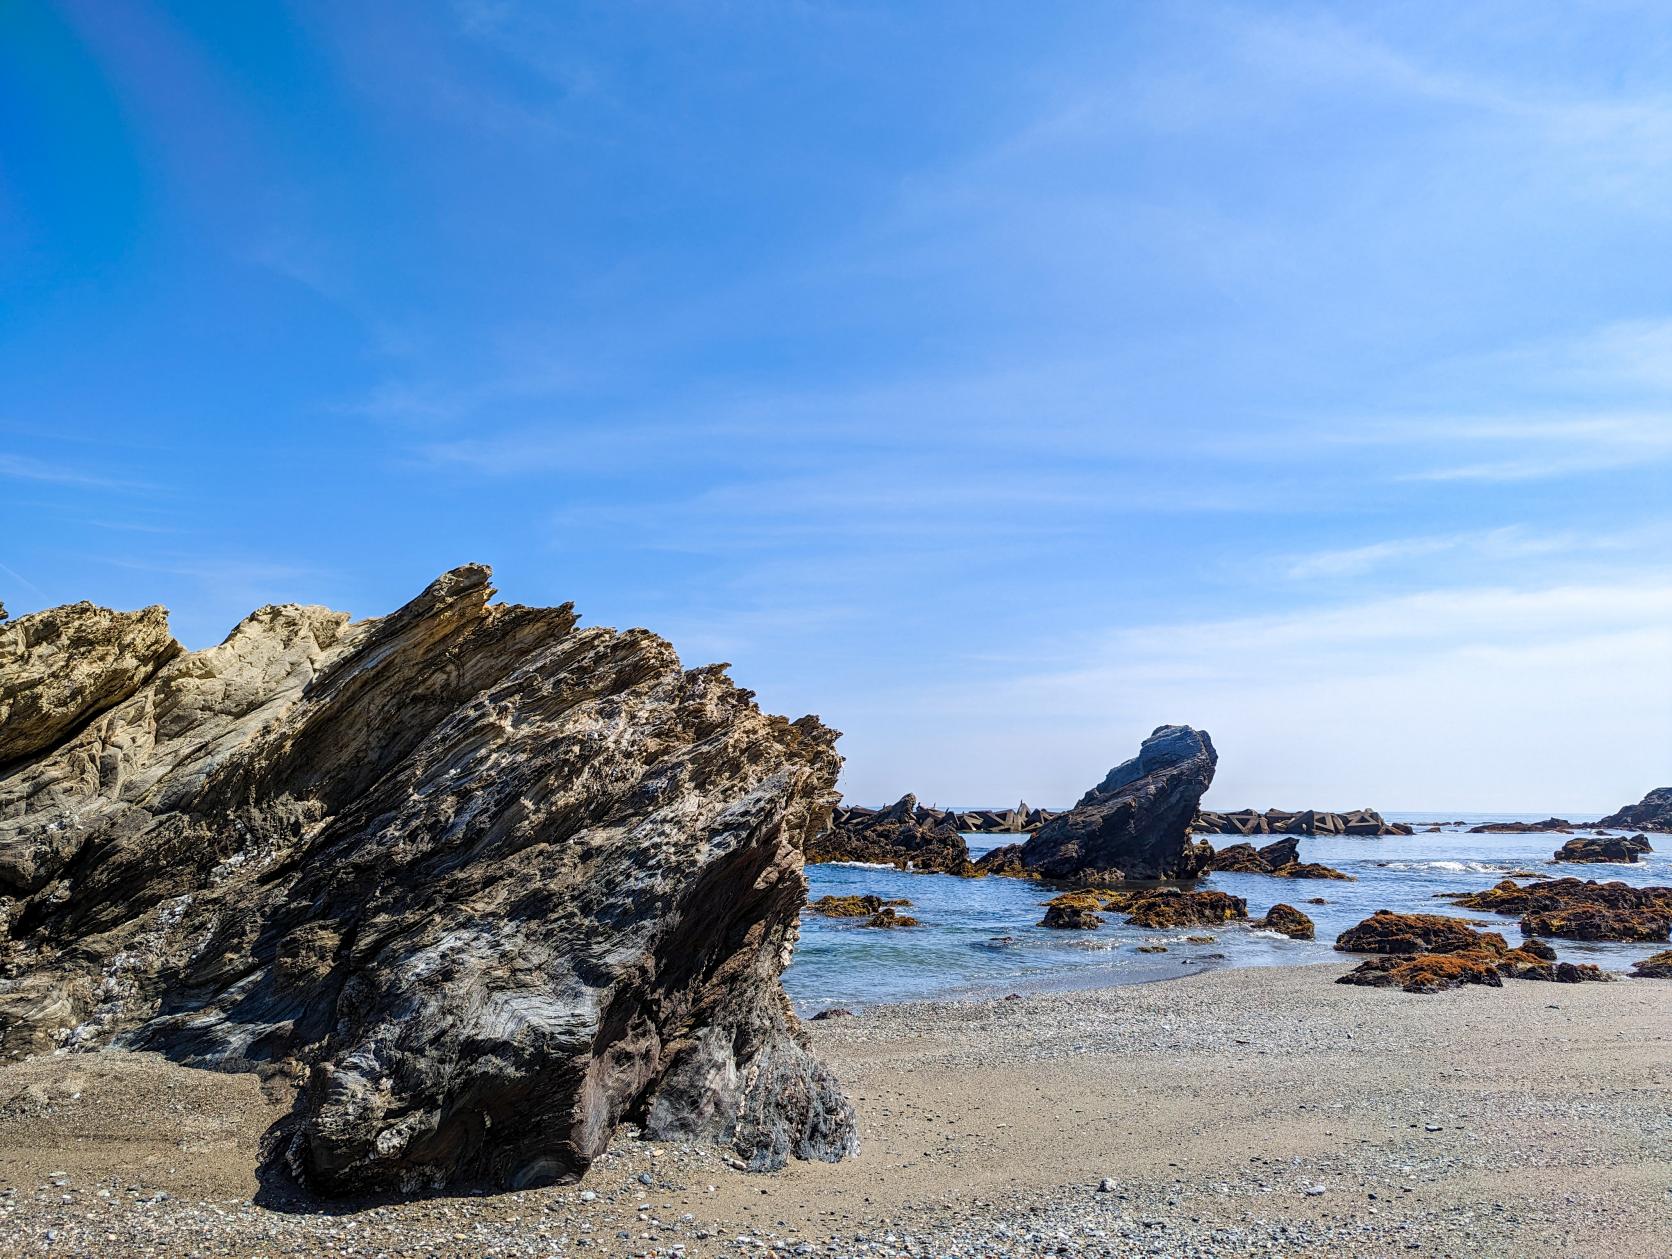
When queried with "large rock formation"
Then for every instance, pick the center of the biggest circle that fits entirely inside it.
(905, 835)
(1652, 813)
(1135, 824)
(486, 882)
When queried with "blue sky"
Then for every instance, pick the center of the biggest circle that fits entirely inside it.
(998, 381)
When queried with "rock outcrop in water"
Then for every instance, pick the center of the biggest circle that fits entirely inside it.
(1608, 849)
(1135, 824)
(1430, 953)
(1363, 822)
(488, 882)
(1281, 860)
(1579, 909)
(1652, 813)
(905, 835)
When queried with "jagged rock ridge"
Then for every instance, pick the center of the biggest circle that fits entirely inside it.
(489, 882)
(1652, 813)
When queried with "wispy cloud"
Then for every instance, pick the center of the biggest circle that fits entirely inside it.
(27, 468)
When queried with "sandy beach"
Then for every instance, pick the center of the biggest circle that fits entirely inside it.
(1252, 1111)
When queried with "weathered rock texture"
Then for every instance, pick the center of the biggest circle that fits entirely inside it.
(1288, 920)
(1615, 849)
(64, 666)
(489, 882)
(905, 835)
(1580, 909)
(1135, 824)
(1430, 953)
(1281, 859)
(1362, 822)
(1652, 813)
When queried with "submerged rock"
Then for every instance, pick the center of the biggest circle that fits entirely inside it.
(491, 882)
(854, 906)
(1605, 848)
(890, 918)
(905, 835)
(1135, 824)
(1522, 828)
(1652, 813)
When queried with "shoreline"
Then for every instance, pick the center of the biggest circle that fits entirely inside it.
(1536, 1118)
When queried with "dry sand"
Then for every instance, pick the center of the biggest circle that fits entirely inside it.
(1238, 1112)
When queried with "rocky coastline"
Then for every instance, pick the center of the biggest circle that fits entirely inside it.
(479, 883)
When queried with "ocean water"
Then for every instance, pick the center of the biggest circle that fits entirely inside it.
(981, 936)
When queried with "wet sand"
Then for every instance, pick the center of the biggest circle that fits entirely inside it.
(1255, 1111)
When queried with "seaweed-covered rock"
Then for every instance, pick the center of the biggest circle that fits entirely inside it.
(853, 906)
(1425, 972)
(1599, 922)
(1655, 966)
(1004, 860)
(1388, 932)
(904, 835)
(1281, 859)
(1580, 909)
(1288, 920)
(491, 882)
(1617, 849)
(1071, 917)
(888, 918)
(1170, 908)
(1135, 824)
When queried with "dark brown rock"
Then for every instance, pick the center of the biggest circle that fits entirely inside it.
(1388, 932)
(492, 883)
(904, 835)
(1580, 909)
(1613, 849)
(1652, 813)
(1135, 824)
(1655, 966)
(1288, 920)
(1522, 828)
(1170, 908)
(888, 918)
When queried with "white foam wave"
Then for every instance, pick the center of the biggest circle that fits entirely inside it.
(1453, 867)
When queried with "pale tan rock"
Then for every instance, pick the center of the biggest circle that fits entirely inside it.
(63, 665)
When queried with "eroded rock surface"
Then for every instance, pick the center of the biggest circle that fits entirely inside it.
(1615, 849)
(63, 666)
(1135, 824)
(1288, 920)
(490, 882)
(1431, 953)
(1580, 909)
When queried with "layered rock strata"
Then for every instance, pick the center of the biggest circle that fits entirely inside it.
(486, 882)
(1135, 824)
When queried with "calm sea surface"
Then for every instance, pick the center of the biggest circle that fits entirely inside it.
(981, 936)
